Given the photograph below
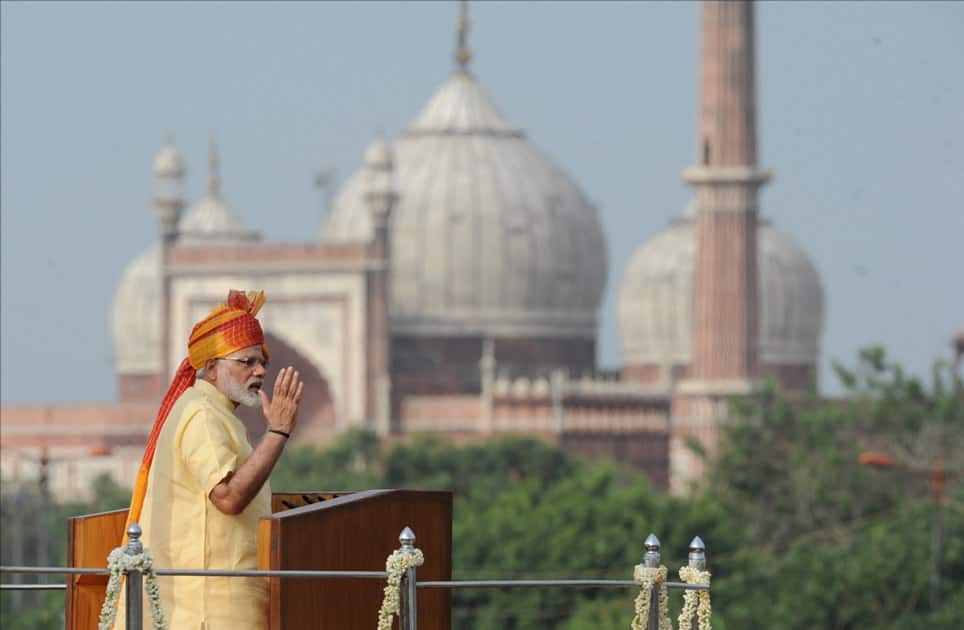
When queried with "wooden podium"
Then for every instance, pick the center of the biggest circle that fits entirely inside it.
(338, 531)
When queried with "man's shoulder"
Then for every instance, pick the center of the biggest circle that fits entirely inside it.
(194, 403)
(191, 398)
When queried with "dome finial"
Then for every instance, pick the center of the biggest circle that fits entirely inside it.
(214, 163)
(462, 54)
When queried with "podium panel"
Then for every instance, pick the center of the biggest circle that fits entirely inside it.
(89, 539)
(355, 532)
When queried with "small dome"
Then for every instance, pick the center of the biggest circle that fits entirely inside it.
(488, 237)
(656, 299)
(136, 316)
(168, 162)
(378, 154)
(213, 221)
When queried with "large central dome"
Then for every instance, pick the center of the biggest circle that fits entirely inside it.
(488, 237)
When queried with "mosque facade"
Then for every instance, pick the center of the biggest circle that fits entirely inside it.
(455, 289)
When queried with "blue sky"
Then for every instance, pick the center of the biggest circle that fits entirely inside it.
(861, 121)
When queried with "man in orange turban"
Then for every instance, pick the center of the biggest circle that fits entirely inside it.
(202, 488)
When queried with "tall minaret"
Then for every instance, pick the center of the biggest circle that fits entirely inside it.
(381, 196)
(725, 183)
(724, 351)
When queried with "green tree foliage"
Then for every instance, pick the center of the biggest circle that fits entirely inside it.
(824, 541)
(589, 524)
(487, 468)
(34, 533)
(353, 462)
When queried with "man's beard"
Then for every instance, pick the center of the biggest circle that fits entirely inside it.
(238, 392)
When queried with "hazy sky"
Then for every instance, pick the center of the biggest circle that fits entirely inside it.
(861, 121)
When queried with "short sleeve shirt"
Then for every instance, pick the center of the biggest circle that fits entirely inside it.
(201, 443)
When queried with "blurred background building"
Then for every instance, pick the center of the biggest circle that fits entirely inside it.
(455, 288)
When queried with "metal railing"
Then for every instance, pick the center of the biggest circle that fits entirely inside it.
(409, 586)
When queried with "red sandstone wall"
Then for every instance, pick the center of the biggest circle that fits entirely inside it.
(650, 373)
(146, 388)
(107, 425)
(444, 414)
(792, 377)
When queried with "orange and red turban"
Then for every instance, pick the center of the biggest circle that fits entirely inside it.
(228, 328)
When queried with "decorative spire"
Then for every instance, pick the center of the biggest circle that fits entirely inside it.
(214, 166)
(462, 54)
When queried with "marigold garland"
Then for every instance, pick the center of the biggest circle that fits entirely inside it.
(702, 609)
(119, 562)
(396, 565)
(646, 577)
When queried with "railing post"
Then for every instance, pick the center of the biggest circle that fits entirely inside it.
(651, 561)
(408, 620)
(697, 560)
(134, 588)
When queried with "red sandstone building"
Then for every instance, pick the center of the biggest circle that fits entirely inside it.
(456, 286)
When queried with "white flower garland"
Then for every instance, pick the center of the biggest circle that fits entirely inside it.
(119, 563)
(691, 575)
(397, 563)
(646, 577)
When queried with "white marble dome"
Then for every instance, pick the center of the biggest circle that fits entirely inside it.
(488, 236)
(211, 221)
(136, 316)
(656, 298)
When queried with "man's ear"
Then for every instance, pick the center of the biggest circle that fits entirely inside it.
(210, 370)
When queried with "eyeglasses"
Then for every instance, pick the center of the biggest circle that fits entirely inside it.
(248, 362)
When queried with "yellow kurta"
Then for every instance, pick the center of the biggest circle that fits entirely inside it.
(201, 442)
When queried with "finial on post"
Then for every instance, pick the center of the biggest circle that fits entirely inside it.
(652, 557)
(134, 544)
(697, 557)
(407, 538)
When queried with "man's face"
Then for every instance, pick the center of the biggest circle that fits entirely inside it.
(240, 375)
